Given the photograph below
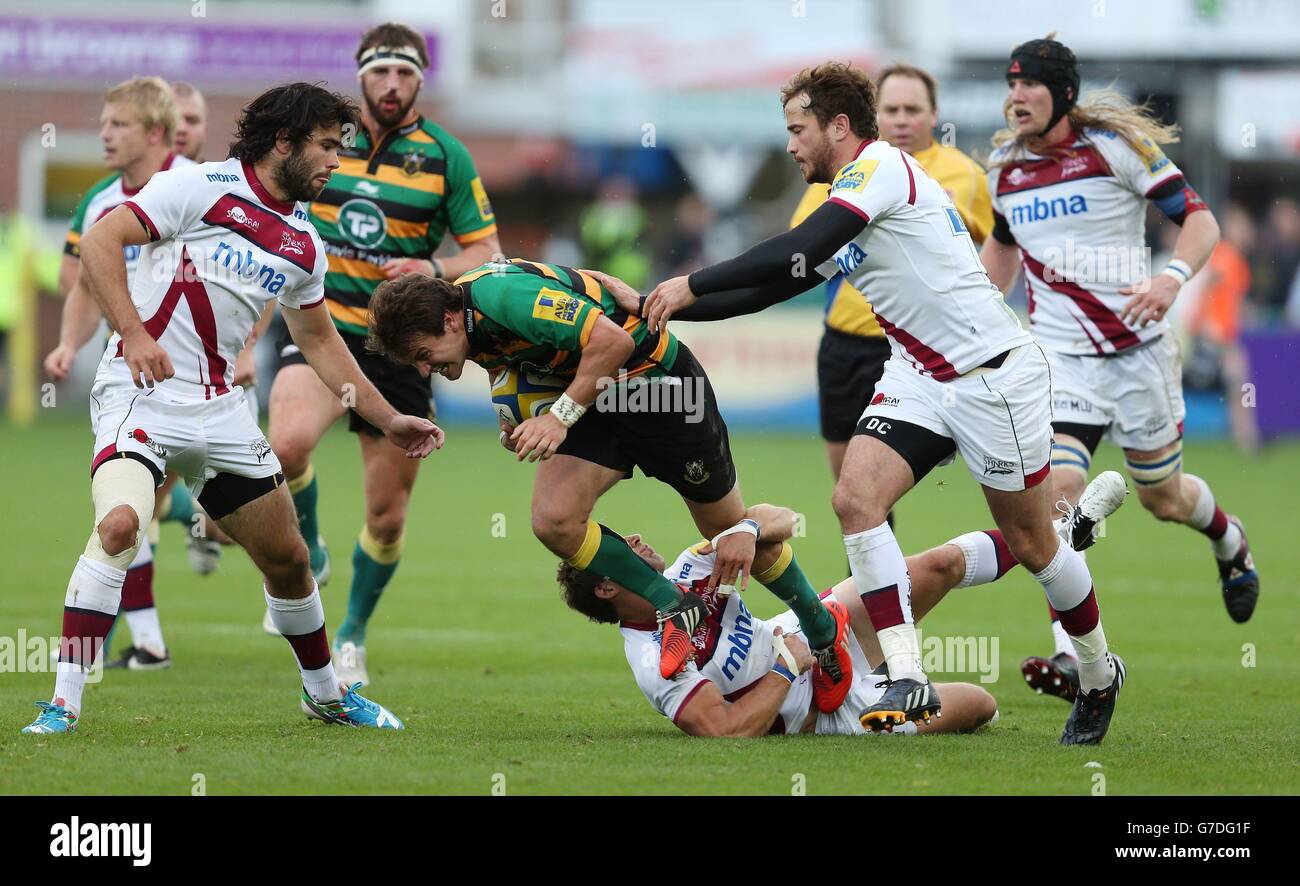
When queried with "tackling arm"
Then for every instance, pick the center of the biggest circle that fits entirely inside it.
(710, 715)
(313, 332)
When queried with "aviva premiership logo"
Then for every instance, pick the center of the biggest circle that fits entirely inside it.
(554, 305)
(362, 223)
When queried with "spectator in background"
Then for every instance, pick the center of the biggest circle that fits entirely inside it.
(1215, 323)
(1278, 259)
(684, 252)
(611, 232)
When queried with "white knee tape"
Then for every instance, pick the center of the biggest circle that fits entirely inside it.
(120, 481)
(1153, 473)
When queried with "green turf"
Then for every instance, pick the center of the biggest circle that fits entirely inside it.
(495, 678)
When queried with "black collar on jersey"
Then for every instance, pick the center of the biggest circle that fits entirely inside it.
(1053, 65)
(471, 330)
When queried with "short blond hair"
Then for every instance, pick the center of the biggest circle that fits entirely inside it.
(152, 100)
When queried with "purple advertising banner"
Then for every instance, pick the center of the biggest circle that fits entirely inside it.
(1274, 371)
(200, 49)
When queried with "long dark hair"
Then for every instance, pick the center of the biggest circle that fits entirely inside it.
(295, 111)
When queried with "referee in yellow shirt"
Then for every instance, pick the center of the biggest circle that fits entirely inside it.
(854, 349)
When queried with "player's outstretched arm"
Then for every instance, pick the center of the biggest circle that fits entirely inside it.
(313, 332)
(793, 254)
(719, 305)
(104, 274)
(710, 715)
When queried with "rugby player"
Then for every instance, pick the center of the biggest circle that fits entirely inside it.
(964, 376)
(1071, 181)
(401, 188)
(561, 322)
(749, 675)
(853, 348)
(137, 126)
(218, 240)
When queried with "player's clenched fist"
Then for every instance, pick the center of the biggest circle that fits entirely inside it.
(147, 360)
(538, 438)
(58, 362)
(418, 436)
(668, 298)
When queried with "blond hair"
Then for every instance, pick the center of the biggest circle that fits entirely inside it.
(1106, 109)
(152, 100)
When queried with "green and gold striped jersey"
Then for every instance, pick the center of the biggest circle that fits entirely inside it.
(397, 199)
(537, 318)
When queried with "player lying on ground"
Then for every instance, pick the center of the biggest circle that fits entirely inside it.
(219, 240)
(400, 190)
(1114, 361)
(964, 377)
(747, 677)
(530, 316)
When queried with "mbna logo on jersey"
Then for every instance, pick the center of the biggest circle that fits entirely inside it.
(362, 223)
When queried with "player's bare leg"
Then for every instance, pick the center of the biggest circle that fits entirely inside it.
(1025, 519)
(775, 567)
(873, 478)
(389, 477)
(564, 492)
(301, 411)
(1173, 496)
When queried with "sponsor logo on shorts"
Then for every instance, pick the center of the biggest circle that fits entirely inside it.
(1070, 404)
(1153, 425)
(882, 399)
(140, 436)
(260, 448)
(695, 472)
(997, 466)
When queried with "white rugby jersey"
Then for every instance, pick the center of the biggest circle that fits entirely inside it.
(221, 248)
(1079, 220)
(105, 196)
(928, 288)
(733, 650)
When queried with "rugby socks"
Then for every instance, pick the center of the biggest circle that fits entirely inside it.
(373, 564)
(881, 576)
(1209, 518)
(302, 622)
(1069, 589)
(138, 603)
(89, 608)
(303, 490)
(604, 552)
(787, 581)
(987, 557)
(178, 507)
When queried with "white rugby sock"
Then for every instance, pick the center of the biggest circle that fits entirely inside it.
(1226, 545)
(880, 573)
(1069, 589)
(1061, 639)
(302, 622)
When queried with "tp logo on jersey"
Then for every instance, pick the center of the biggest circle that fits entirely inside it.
(362, 223)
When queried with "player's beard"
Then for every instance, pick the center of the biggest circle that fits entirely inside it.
(295, 177)
(820, 165)
(388, 121)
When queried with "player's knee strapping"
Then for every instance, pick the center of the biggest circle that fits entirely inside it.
(1153, 473)
(1069, 454)
(119, 482)
(604, 552)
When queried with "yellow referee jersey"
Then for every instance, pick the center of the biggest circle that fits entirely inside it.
(846, 310)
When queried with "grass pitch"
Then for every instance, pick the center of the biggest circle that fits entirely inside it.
(502, 687)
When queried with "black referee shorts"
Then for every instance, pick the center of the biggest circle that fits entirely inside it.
(848, 367)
